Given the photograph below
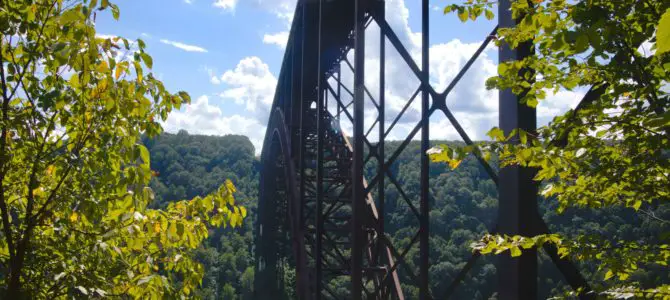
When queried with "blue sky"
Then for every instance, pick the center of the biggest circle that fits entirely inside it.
(227, 53)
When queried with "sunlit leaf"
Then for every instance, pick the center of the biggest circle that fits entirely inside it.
(663, 34)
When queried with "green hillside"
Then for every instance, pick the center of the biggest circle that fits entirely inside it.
(464, 204)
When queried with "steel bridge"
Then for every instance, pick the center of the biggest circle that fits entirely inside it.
(318, 224)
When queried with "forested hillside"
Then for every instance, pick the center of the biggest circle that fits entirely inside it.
(464, 205)
(193, 165)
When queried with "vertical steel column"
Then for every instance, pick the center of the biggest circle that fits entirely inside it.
(304, 106)
(296, 89)
(425, 138)
(261, 276)
(339, 89)
(289, 113)
(381, 10)
(517, 277)
(358, 198)
(320, 132)
(268, 252)
(285, 93)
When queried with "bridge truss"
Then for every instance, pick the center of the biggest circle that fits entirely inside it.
(319, 233)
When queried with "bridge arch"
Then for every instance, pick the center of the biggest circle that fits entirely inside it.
(278, 232)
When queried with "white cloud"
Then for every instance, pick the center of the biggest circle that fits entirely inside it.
(250, 84)
(470, 94)
(556, 104)
(188, 1)
(182, 46)
(475, 107)
(283, 10)
(226, 5)
(280, 39)
(201, 117)
(212, 76)
(105, 36)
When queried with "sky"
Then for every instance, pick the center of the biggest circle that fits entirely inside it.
(227, 54)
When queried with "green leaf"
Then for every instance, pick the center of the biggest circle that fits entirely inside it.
(502, 68)
(609, 274)
(185, 97)
(148, 194)
(31, 14)
(145, 279)
(489, 14)
(115, 11)
(663, 34)
(663, 120)
(180, 229)
(70, 16)
(475, 12)
(528, 243)
(582, 43)
(496, 134)
(138, 71)
(515, 251)
(147, 60)
(120, 68)
(144, 154)
(637, 204)
(463, 15)
(82, 289)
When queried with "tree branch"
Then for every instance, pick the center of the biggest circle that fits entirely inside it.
(652, 215)
(3, 161)
(14, 282)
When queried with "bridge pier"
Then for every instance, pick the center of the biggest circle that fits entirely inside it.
(517, 192)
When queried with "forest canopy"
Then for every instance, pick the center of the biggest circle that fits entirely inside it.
(464, 206)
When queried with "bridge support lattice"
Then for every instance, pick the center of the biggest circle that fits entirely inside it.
(320, 232)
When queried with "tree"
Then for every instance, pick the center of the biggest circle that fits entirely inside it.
(612, 149)
(73, 172)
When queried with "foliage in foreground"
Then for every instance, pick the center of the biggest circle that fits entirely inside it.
(612, 149)
(74, 174)
(193, 165)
